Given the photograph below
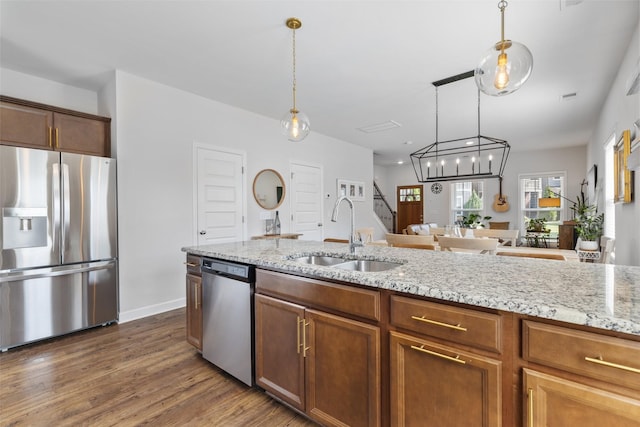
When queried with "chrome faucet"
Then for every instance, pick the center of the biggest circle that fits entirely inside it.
(353, 241)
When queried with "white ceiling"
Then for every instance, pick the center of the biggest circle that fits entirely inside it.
(359, 63)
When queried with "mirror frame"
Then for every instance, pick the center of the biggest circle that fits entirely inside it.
(284, 189)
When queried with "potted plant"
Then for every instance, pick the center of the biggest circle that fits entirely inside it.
(537, 225)
(474, 220)
(589, 228)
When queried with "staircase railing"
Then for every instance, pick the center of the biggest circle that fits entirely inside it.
(382, 208)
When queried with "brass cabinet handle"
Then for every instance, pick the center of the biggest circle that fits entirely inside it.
(304, 338)
(50, 137)
(190, 264)
(435, 322)
(444, 356)
(600, 361)
(298, 333)
(57, 138)
(530, 402)
(195, 291)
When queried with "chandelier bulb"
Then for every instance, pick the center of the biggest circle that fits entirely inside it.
(501, 80)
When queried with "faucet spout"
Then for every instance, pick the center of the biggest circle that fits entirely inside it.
(353, 241)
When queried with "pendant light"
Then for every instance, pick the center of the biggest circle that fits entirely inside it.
(295, 124)
(505, 66)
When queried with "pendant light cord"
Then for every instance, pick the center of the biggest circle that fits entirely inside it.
(502, 5)
(294, 69)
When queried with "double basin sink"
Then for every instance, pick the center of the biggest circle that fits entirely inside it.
(362, 265)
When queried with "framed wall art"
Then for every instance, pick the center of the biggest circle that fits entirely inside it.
(622, 187)
(354, 190)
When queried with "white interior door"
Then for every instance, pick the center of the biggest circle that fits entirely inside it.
(220, 198)
(306, 201)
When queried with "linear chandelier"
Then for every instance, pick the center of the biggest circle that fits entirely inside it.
(474, 157)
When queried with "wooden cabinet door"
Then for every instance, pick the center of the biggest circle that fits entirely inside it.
(342, 370)
(194, 311)
(81, 135)
(25, 126)
(279, 353)
(553, 401)
(437, 385)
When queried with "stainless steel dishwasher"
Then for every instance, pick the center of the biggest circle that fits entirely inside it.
(227, 317)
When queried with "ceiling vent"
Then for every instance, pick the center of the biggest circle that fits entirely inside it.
(379, 127)
(568, 96)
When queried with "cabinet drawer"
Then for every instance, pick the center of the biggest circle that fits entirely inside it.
(193, 264)
(459, 325)
(316, 293)
(596, 356)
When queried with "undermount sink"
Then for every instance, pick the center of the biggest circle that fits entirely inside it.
(363, 265)
(367, 265)
(320, 260)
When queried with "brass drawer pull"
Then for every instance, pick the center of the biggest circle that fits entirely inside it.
(444, 356)
(435, 322)
(190, 264)
(530, 401)
(599, 361)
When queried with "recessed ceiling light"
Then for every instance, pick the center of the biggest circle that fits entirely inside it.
(408, 142)
(470, 142)
(400, 162)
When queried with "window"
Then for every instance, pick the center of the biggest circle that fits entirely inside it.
(535, 186)
(466, 197)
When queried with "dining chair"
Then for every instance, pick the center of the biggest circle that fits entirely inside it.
(557, 257)
(606, 249)
(365, 234)
(484, 245)
(415, 241)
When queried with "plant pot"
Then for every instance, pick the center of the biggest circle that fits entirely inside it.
(589, 245)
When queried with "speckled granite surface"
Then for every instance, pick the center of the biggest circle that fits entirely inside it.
(597, 295)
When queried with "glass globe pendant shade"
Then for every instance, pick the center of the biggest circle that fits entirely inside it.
(504, 68)
(295, 125)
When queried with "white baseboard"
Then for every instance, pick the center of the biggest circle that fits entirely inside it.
(150, 310)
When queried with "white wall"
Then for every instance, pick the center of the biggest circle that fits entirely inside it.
(157, 126)
(619, 113)
(436, 206)
(36, 89)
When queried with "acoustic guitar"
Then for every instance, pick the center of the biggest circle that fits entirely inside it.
(500, 203)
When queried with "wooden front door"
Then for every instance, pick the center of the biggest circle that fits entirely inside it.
(410, 205)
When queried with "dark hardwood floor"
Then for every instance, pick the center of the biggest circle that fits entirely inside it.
(138, 373)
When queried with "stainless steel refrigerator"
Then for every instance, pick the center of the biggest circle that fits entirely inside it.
(58, 246)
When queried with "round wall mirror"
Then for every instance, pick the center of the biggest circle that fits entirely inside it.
(268, 189)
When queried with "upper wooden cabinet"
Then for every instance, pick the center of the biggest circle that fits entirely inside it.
(33, 125)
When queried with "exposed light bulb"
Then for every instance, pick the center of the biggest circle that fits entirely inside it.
(295, 127)
(502, 73)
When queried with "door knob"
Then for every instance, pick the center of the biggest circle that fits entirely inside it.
(203, 232)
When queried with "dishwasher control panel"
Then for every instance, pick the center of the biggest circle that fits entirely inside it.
(242, 272)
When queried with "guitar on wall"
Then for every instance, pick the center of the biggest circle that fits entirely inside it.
(500, 203)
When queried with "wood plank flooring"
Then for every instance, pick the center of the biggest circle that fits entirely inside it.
(138, 373)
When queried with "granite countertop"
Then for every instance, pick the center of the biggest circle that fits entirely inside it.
(597, 295)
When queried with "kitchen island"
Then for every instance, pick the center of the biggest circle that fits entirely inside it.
(507, 342)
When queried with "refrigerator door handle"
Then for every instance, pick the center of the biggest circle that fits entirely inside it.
(55, 271)
(55, 215)
(66, 210)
